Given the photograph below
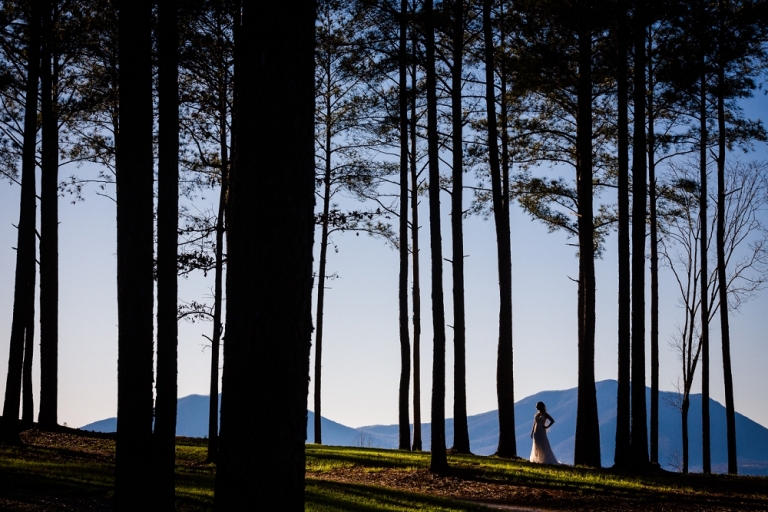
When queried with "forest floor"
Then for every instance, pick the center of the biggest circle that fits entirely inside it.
(74, 471)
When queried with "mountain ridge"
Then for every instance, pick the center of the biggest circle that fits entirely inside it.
(752, 438)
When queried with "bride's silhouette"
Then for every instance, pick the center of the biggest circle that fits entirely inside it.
(541, 451)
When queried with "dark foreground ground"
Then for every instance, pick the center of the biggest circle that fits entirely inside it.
(72, 470)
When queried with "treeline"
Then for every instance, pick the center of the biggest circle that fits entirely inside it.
(282, 107)
(640, 100)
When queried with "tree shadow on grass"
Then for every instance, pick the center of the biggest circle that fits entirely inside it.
(327, 496)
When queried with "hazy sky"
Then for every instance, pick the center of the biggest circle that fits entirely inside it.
(361, 345)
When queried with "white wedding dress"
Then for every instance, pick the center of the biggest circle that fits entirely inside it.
(541, 451)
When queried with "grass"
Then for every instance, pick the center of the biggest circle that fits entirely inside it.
(76, 472)
(559, 487)
(326, 496)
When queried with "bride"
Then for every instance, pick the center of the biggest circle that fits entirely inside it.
(541, 452)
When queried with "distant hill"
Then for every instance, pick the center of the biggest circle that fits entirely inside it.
(752, 438)
(192, 421)
(751, 442)
(191, 418)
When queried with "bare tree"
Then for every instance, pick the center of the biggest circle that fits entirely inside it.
(746, 255)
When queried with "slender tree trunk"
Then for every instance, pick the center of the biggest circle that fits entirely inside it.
(725, 334)
(270, 225)
(167, 244)
(135, 280)
(28, 398)
(438, 461)
(684, 411)
(705, 430)
(24, 284)
(587, 439)
(654, 264)
(321, 280)
(639, 191)
(460, 428)
(49, 229)
(504, 375)
(213, 404)
(622, 454)
(405, 343)
(417, 443)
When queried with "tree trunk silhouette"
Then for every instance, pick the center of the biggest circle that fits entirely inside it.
(639, 418)
(27, 394)
(326, 195)
(622, 455)
(49, 227)
(405, 343)
(417, 443)
(167, 244)
(460, 428)
(504, 373)
(270, 228)
(438, 461)
(725, 334)
(705, 430)
(321, 283)
(686, 405)
(135, 280)
(587, 438)
(213, 404)
(24, 284)
(652, 198)
(28, 397)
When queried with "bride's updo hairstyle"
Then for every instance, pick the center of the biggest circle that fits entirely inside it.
(541, 407)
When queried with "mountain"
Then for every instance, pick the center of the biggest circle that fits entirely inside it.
(336, 434)
(192, 421)
(751, 442)
(191, 418)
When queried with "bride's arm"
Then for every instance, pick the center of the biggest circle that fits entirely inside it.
(551, 421)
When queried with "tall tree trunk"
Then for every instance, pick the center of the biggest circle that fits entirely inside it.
(587, 439)
(269, 260)
(49, 227)
(460, 428)
(504, 374)
(639, 190)
(405, 343)
(135, 281)
(167, 244)
(417, 443)
(28, 397)
(213, 404)
(654, 263)
(24, 284)
(27, 394)
(438, 461)
(321, 279)
(622, 454)
(725, 334)
(218, 326)
(705, 428)
(686, 405)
